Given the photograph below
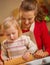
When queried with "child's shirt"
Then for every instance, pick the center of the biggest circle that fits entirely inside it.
(18, 47)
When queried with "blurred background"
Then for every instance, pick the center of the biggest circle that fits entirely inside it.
(9, 6)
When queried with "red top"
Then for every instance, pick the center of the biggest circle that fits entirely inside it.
(42, 36)
(0, 54)
(0, 50)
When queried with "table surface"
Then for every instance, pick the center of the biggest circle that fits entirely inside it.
(33, 62)
(43, 61)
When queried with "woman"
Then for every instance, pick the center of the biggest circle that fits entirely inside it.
(32, 20)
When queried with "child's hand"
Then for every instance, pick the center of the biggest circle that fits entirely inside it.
(1, 63)
(9, 59)
(40, 54)
(26, 56)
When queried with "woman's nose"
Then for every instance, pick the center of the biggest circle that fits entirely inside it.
(27, 22)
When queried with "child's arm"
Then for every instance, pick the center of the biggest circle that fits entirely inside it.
(3, 52)
(32, 48)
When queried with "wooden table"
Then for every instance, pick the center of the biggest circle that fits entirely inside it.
(18, 61)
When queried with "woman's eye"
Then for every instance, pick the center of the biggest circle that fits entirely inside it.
(29, 19)
(23, 19)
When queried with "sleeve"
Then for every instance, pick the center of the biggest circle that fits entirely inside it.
(42, 36)
(46, 37)
(32, 47)
(3, 52)
(37, 33)
(0, 50)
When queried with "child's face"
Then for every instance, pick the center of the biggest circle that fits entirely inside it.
(27, 18)
(12, 33)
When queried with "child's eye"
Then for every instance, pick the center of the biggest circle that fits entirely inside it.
(8, 34)
(13, 33)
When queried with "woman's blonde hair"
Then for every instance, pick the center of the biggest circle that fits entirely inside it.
(11, 21)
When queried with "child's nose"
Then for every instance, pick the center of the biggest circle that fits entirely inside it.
(12, 36)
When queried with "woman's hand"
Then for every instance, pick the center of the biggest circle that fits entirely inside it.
(41, 54)
(26, 56)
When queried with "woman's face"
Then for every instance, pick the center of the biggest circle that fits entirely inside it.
(12, 33)
(27, 18)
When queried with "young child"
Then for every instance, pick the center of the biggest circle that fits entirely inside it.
(16, 44)
(32, 19)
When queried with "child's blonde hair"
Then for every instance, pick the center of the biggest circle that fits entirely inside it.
(11, 21)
